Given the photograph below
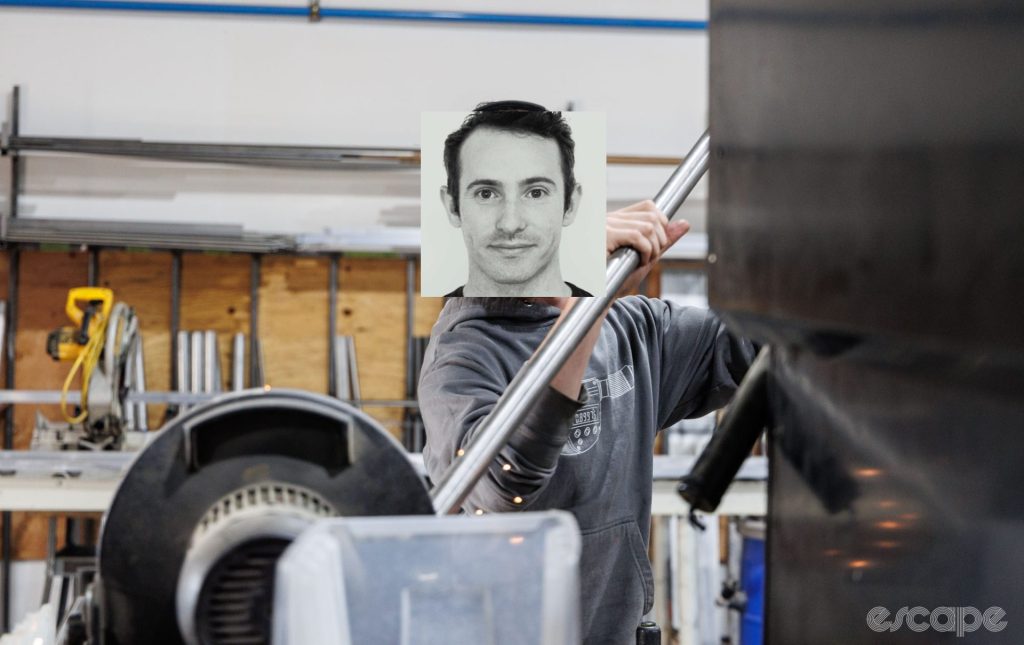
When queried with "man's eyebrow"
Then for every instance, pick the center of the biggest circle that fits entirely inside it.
(493, 183)
(490, 183)
(537, 180)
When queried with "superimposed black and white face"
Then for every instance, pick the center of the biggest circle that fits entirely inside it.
(511, 209)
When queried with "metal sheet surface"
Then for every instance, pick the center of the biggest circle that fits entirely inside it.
(867, 170)
(892, 486)
(866, 215)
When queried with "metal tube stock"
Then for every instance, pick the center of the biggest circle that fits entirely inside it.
(535, 375)
(210, 380)
(12, 204)
(342, 373)
(256, 374)
(93, 271)
(128, 408)
(332, 324)
(176, 378)
(238, 362)
(218, 375)
(3, 331)
(139, 366)
(705, 485)
(353, 367)
(196, 381)
(257, 368)
(183, 368)
(410, 348)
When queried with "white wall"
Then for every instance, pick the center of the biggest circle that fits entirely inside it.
(273, 80)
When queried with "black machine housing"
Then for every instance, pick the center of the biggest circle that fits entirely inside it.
(866, 219)
(302, 450)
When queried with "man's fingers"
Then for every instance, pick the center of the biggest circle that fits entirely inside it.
(646, 205)
(631, 235)
(642, 211)
(641, 243)
(645, 228)
(619, 237)
(675, 231)
(650, 227)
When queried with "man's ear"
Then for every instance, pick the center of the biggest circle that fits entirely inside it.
(449, 206)
(574, 204)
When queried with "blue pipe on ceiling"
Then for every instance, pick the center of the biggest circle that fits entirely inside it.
(367, 14)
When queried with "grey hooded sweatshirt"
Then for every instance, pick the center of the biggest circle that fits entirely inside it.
(654, 364)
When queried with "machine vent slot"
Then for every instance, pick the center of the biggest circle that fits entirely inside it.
(238, 596)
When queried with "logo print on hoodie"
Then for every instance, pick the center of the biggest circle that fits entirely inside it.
(586, 425)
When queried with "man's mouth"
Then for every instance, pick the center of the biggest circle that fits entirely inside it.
(511, 246)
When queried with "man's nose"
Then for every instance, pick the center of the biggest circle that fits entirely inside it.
(510, 219)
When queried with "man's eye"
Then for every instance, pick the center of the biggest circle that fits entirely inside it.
(485, 194)
(536, 193)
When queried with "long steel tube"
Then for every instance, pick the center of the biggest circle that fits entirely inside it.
(176, 366)
(238, 362)
(182, 364)
(332, 324)
(139, 367)
(527, 386)
(196, 380)
(256, 374)
(211, 381)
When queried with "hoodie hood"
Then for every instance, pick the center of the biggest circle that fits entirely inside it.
(492, 315)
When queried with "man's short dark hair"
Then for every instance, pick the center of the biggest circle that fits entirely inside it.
(512, 116)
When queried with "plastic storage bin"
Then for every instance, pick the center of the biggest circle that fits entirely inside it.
(752, 582)
(508, 579)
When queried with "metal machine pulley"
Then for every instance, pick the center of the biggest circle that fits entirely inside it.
(191, 539)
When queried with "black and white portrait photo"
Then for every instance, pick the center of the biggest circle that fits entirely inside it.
(513, 202)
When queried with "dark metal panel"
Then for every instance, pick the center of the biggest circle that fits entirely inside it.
(876, 155)
(866, 216)
(893, 487)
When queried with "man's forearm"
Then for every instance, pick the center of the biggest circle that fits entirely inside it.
(569, 378)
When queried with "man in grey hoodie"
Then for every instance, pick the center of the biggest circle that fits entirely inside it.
(587, 446)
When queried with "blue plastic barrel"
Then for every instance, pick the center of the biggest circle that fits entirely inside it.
(752, 583)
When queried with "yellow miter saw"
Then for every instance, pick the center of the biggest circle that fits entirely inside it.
(105, 349)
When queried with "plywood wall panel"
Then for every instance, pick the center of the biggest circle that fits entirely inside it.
(293, 313)
(371, 307)
(44, 280)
